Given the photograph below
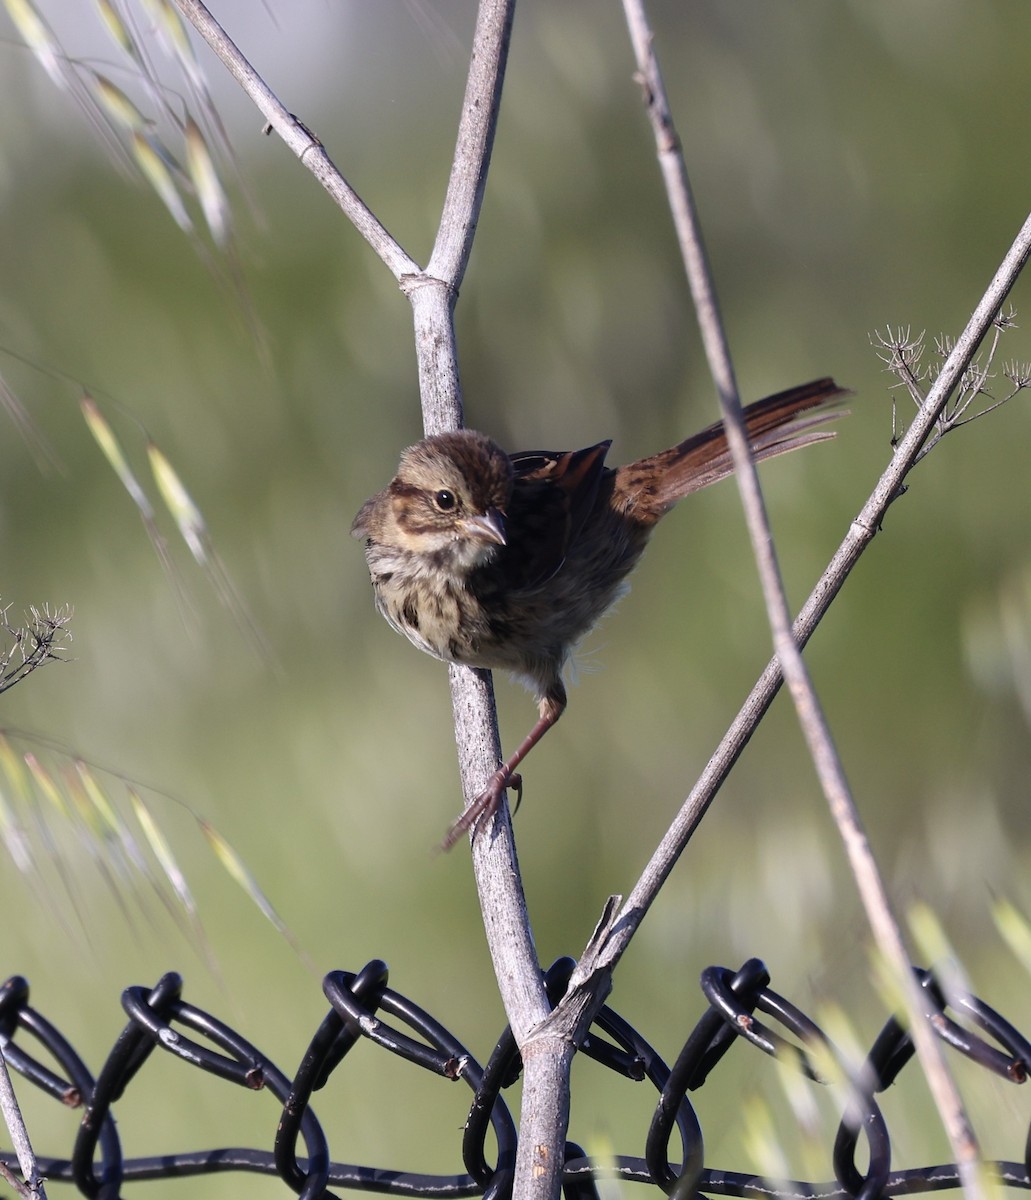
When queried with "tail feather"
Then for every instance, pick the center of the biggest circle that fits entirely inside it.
(787, 421)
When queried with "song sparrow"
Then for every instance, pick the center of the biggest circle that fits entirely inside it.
(496, 560)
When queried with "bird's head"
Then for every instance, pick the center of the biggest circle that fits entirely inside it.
(447, 502)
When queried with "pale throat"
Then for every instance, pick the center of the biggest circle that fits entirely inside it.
(427, 556)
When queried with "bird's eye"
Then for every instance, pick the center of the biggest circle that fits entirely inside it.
(445, 500)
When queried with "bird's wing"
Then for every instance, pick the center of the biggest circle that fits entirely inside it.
(553, 495)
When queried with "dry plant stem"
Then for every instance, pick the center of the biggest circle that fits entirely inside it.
(505, 922)
(432, 302)
(432, 293)
(19, 1136)
(299, 138)
(821, 746)
(474, 142)
(544, 1115)
(860, 534)
(545, 1106)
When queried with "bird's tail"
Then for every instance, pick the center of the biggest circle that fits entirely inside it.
(786, 421)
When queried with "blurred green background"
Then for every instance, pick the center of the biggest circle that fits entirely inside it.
(856, 164)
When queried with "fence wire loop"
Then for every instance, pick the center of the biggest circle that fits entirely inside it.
(364, 1009)
(15, 1014)
(153, 1013)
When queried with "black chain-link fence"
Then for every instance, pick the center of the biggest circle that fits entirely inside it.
(363, 1006)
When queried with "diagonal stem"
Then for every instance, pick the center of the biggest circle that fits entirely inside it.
(789, 661)
(474, 143)
(433, 293)
(859, 536)
(299, 138)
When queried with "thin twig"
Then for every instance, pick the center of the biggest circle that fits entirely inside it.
(432, 293)
(501, 895)
(432, 298)
(33, 1185)
(299, 138)
(860, 534)
(822, 750)
(788, 641)
(544, 1114)
(789, 657)
(474, 143)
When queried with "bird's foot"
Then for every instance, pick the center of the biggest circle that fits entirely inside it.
(484, 806)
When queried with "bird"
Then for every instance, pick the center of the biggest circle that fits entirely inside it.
(505, 561)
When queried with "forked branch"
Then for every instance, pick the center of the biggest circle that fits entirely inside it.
(432, 292)
(299, 138)
(793, 669)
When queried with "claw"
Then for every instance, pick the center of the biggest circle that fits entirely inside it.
(483, 807)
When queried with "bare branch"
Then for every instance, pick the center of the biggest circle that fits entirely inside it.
(474, 144)
(792, 665)
(433, 294)
(300, 139)
(33, 1186)
(544, 1113)
(859, 536)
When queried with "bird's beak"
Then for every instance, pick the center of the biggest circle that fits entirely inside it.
(490, 527)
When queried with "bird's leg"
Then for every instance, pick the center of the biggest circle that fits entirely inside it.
(486, 803)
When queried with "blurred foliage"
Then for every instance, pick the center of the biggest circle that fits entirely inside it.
(856, 164)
